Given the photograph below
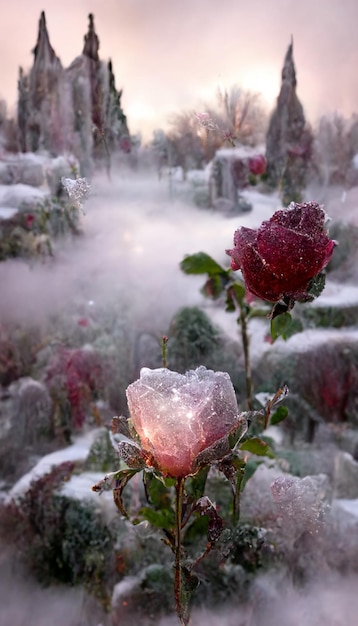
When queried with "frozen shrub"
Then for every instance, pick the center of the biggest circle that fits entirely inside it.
(192, 339)
(62, 540)
(75, 378)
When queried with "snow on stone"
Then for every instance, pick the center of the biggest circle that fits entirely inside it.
(315, 337)
(349, 506)
(78, 451)
(7, 212)
(240, 152)
(21, 196)
(336, 294)
(79, 487)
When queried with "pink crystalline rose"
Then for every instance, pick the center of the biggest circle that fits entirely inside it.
(280, 258)
(178, 416)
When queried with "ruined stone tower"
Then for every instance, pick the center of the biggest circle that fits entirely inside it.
(288, 140)
(41, 103)
(75, 110)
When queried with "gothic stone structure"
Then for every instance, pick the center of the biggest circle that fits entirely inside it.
(288, 140)
(75, 110)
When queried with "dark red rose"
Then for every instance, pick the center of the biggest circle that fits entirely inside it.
(284, 254)
(257, 164)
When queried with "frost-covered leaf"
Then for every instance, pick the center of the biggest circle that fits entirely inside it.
(204, 506)
(117, 482)
(201, 263)
(120, 425)
(131, 454)
(317, 285)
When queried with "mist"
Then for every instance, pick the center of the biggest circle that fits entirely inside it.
(135, 236)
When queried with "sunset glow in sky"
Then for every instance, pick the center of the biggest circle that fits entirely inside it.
(174, 54)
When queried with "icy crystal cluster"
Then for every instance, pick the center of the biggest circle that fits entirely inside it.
(301, 501)
(78, 190)
(178, 416)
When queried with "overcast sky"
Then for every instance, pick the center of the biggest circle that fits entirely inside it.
(174, 54)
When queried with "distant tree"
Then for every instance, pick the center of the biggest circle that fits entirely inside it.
(237, 115)
(242, 113)
(336, 143)
(185, 142)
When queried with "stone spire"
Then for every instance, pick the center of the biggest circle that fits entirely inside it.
(91, 45)
(43, 51)
(288, 141)
(44, 118)
(288, 71)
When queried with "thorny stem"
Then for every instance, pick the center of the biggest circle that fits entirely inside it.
(164, 350)
(246, 345)
(180, 609)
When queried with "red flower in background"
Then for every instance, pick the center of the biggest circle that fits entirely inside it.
(257, 164)
(284, 254)
(83, 321)
(30, 220)
(125, 144)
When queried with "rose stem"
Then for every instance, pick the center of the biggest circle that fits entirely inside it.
(179, 492)
(246, 346)
(164, 351)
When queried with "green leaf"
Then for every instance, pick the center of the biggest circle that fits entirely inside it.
(284, 326)
(258, 312)
(163, 518)
(279, 415)
(195, 485)
(239, 291)
(158, 494)
(257, 446)
(214, 286)
(201, 263)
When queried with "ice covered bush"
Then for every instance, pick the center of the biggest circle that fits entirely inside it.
(62, 540)
(281, 258)
(178, 416)
(75, 378)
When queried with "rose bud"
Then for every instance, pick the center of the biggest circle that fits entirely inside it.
(284, 254)
(257, 164)
(177, 416)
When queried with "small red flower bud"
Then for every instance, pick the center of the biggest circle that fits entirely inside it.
(257, 165)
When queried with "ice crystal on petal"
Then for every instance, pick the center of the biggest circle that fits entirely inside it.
(177, 416)
(78, 190)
